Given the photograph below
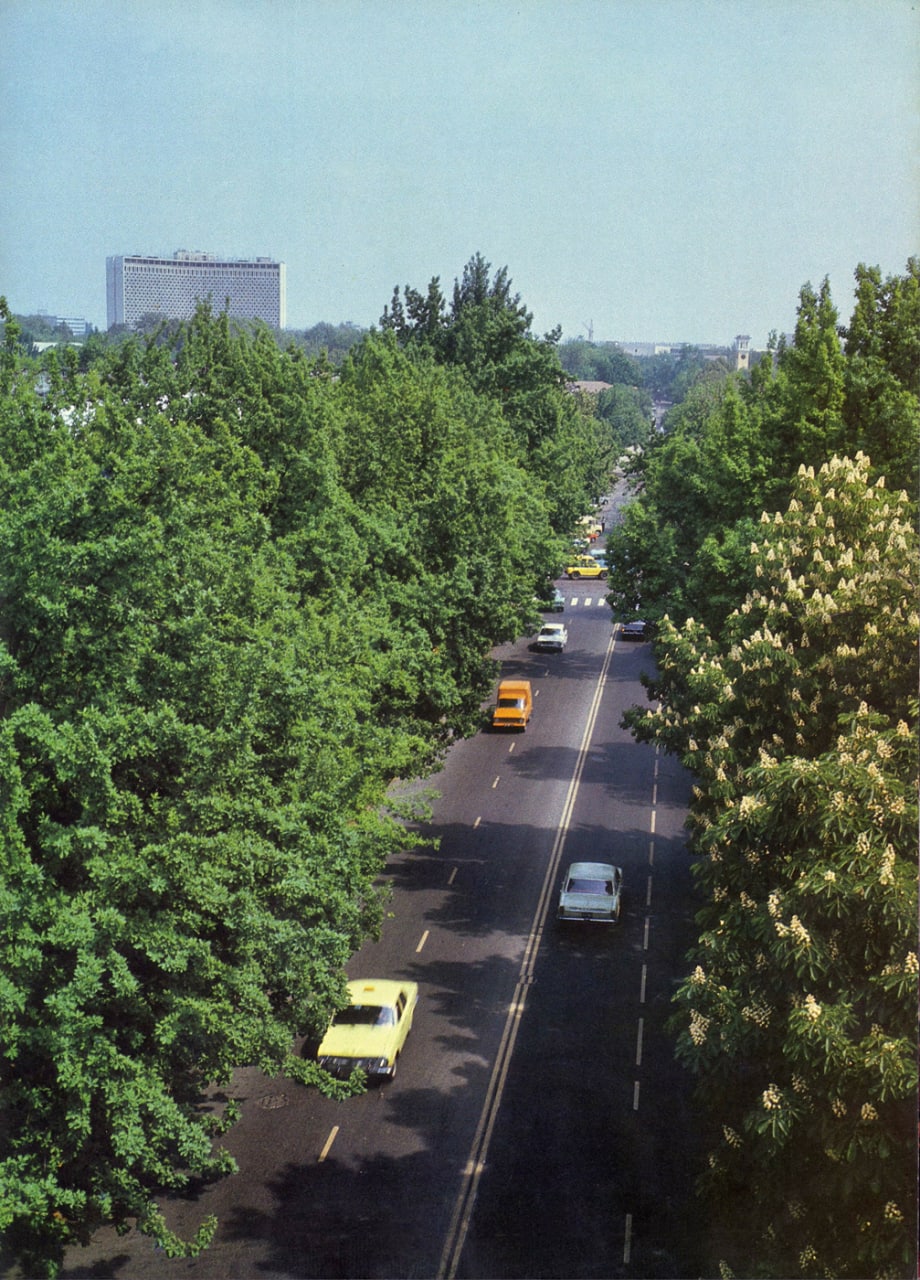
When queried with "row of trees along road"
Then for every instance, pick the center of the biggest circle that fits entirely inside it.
(242, 592)
(774, 534)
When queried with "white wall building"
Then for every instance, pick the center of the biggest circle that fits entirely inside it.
(173, 286)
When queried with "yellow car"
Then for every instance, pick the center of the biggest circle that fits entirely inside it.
(371, 1032)
(585, 567)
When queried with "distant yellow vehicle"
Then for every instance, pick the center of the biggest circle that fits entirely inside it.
(585, 567)
(589, 528)
(371, 1031)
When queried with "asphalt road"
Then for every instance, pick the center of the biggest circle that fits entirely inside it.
(537, 1125)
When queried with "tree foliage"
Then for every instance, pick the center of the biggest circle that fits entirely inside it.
(733, 445)
(485, 333)
(799, 1017)
(882, 391)
(333, 341)
(240, 596)
(670, 375)
(600, 362)
(628, 413)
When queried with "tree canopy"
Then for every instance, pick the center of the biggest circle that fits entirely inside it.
(485, 334)
(732, 446)
(587, 361)
(791, 696)
(242, 593)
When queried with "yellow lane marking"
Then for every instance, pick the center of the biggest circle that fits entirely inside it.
(329, 1142)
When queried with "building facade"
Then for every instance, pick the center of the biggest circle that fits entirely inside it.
(79, 326)
(172, 287)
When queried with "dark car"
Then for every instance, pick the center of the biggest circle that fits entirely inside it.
(552, 602)
(635, 630)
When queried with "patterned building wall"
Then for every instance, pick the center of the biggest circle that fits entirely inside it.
(173, 287)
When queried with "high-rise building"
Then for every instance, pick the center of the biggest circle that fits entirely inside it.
(172, 287)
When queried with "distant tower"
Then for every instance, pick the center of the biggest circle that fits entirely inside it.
(742, 352)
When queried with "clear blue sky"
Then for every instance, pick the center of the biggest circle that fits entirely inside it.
(662, 169)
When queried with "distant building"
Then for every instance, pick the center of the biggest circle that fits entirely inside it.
(742, 351)
(77, 325)
(645, 350)
(172, 287)
(590, 387)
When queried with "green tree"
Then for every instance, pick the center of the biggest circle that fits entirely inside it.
(670, 375)
(599, 362)
(628, 412)
(190, 801)
(332, 340)
(699, 486)
(732, 446)
(240, 596)
(803, 418)
(799, 1016)
(485, 332)
(882, 383)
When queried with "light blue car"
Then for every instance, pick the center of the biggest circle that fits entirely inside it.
(592, 892)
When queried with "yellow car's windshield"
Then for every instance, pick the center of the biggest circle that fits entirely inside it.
(365, 1015)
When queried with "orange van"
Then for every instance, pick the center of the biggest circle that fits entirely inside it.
(514, 705)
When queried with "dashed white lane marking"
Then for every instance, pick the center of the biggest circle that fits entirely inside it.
(422, 940)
